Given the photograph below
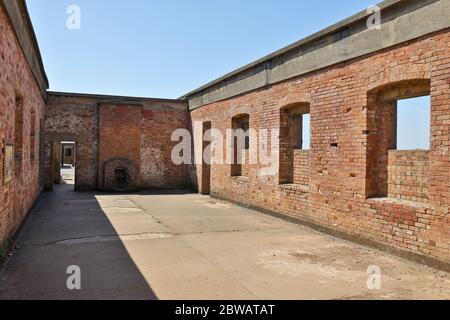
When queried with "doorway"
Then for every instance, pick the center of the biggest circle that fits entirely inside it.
(206, 163)
(66, 162)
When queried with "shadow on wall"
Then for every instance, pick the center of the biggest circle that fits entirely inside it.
(70, 229)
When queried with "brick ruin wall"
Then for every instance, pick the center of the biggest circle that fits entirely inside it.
(109, 136)
(76, 120)
(351, 180)
(16, 77)
(355, 185)
(408, 175)
(301, 167)
(119, 139)
(157, 167)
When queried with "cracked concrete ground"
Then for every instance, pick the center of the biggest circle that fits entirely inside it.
(188, 246)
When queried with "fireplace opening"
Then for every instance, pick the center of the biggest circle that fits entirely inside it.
(120, 175)
(121, 178)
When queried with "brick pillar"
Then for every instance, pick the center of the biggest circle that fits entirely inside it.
(56, 163)
(440, 140)
(286, 173)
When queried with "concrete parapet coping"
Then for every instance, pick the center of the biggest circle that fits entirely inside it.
(401, 21)
(147, 103)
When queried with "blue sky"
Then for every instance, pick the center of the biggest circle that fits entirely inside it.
(167, 48)
(413, 125)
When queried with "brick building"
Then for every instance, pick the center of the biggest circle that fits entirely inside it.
(352, 182)
(23, 86)
(116, 138)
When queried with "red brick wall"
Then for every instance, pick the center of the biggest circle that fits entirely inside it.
(157, 168)
(108, 132)
(408, 175)
(120, 137)
(340, 170)
(245, 167)
(73, 119)
(301, 167)
(130, 175)
(135, 132)
(17, 197)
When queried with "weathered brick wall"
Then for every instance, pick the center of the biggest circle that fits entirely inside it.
(56, 164)
(408, 173)
(245, 166)
(126, 132)
(344, 131)
(73, 119)
(157, 168)
(128, 170)
(120, 138)
(17, 197)
(301, 167)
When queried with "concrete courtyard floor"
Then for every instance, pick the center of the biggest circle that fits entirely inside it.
(188, 246)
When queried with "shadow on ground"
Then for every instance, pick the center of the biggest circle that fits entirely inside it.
(177, 245)
(71, 229)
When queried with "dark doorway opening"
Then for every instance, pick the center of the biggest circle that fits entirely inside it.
(206, 163)
(241, 145)
(121, 179)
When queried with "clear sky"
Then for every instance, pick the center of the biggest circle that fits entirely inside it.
(413, 123)
(166, 48)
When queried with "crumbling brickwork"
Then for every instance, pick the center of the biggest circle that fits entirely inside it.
(348, 77)
(348, 161)
(16, 77)
(157, 168)
(119, 138)
(76, 120)
(131, 134)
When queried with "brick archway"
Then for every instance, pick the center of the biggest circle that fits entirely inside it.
(382, 142)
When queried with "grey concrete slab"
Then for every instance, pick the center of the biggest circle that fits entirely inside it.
(188, 246)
